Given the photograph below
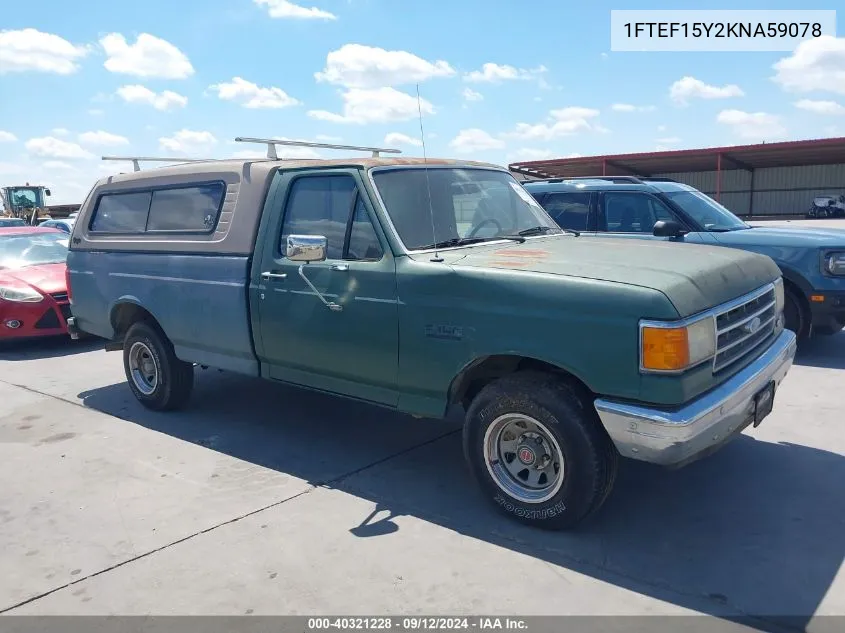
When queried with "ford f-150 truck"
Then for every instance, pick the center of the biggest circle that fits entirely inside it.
(420, 284)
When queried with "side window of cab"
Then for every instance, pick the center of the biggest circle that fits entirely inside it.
(631, 212)
(570, 210)
(331, 206)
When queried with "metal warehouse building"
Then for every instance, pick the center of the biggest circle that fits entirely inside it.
(751, 180)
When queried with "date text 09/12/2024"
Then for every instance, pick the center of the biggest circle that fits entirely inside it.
(416, 623)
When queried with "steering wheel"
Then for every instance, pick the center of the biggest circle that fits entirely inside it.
(482, 223)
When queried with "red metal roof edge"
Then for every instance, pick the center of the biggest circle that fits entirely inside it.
(706, 151)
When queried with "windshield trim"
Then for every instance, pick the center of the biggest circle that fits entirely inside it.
(421, 251)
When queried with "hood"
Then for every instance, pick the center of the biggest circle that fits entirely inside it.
(693, 277)
(784, 236)
(46, 278)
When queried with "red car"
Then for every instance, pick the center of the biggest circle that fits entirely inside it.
(33, 287)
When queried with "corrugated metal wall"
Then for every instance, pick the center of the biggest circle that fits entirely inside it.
(777, 190)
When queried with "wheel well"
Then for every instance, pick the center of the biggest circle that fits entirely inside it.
(483, 371)
(791, 286)
(125, 314)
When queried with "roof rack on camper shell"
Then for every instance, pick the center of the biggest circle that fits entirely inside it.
(271, 151)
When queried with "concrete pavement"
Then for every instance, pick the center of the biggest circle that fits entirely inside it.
(266, 500)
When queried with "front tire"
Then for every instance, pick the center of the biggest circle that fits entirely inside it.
(796, 316)
(159, 380)
(538, 451)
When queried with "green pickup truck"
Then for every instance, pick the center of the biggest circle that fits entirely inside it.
(421, 285)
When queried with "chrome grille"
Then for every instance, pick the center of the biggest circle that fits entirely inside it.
(741, 328)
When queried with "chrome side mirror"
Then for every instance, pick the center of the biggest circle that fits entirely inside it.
(306, 249)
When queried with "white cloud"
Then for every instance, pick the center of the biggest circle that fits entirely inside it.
(471, 95)
(661, 128)
(60, 131)
(753, 126)
(816, 64)
(289, 10)
(474, 140)
(359, 66)
(7, 137)
(188, 142)
(820, 107)
(32, 50)
(253, 96)
(149, 56)
(627, 107)
(396, 138)
(328, 139)
(57, 164)
(688, 88)
(529, 153)
(561, 122)
(669, 140)
(496, 73)
(52, 147)
(375, 106)
(165, 100)
(102, 138)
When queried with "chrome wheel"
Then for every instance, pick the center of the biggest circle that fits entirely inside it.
(523, 458)
(142, 368)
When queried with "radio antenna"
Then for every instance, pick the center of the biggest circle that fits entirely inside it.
(436, 257)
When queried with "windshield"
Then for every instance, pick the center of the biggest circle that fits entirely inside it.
(465, 204)
(24, 198)
(706, 211)
(31, 249)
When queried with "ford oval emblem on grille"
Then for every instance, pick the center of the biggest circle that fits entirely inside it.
(753, 325)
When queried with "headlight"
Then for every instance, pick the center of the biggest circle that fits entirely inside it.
(667, 347)
(22, 294)
(779, 298)
(834, 263)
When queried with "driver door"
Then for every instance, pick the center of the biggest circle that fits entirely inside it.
(354, 351)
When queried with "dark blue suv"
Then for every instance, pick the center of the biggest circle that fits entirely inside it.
(812, 260)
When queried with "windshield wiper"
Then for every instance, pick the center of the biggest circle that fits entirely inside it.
(540, 230)
(463, 241)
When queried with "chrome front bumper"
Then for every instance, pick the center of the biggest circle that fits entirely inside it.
(679, 436)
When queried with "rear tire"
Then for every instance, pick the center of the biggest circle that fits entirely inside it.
(525, 423)
(159, 380)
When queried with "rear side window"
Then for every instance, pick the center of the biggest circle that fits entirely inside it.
(191, 209)
(569, 210)
(122, 212)
(185, 209)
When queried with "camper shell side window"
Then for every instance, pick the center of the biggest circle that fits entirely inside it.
(184, 208)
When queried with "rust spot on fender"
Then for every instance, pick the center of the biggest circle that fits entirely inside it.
(522, 253)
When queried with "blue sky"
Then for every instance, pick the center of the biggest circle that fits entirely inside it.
(79, 80)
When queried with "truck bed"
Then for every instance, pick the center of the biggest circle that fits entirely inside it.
(201, 301)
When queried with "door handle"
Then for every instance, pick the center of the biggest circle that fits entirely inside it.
(340, 267)
(269, 275)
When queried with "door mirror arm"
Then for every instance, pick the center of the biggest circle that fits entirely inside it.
(306, 249)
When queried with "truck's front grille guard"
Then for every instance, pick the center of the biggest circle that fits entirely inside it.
(734, 338)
